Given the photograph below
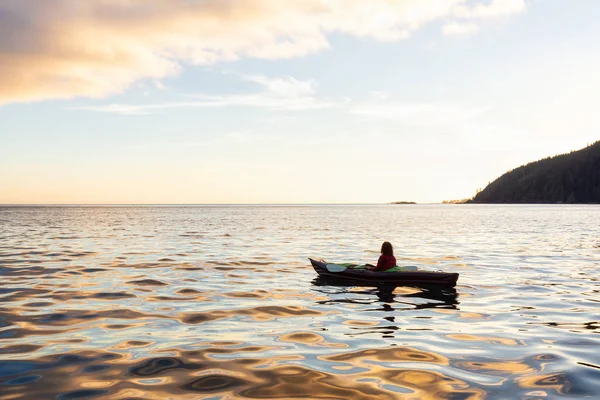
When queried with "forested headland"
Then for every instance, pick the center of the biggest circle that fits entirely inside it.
(566, 178)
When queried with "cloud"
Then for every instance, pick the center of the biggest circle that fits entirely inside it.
(93, 48)
(494, 9)
(290, 94)
(278, 94)
(285, 87)
(460, 29)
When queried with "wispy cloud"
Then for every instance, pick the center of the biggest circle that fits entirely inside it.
(93, 48)
(278, 94)
(491, 10)
(460, 29)
(495, 9)
(290, 94)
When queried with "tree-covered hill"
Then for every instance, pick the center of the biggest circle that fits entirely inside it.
(567, 178)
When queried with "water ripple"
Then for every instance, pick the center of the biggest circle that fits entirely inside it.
(220, 302)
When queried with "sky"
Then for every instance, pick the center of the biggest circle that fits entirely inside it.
(296, 101)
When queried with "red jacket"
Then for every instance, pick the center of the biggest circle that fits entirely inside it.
(385, 262)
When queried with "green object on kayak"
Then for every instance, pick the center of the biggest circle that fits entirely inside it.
(332, 267)
(337, 267)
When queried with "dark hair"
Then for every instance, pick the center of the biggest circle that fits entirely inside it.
(387, 249)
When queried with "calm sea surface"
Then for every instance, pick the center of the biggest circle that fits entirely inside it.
(220, 302)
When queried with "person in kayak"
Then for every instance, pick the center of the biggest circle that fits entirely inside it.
(386, 259)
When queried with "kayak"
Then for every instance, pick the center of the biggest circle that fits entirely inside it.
(400, 275)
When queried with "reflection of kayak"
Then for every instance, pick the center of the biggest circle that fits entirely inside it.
(408, 276)
(435, 296)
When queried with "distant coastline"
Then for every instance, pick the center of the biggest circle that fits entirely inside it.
(572, 178)
(402, 202)
(462, 201)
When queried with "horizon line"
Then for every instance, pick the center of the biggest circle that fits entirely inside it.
(199, 204)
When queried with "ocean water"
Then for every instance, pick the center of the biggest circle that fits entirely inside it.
(220, 302)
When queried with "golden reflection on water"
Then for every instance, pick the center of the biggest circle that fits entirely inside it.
(556, 382)
(486, 339)
(513, 367)
(472, 315)
(192, 303)
(392, 354)
(429, 385)
(261, 314)
(310, 339)
(130, 344)
(206, 373)
(360, 323)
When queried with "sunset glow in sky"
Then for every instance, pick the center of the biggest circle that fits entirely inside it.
(296, 101)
